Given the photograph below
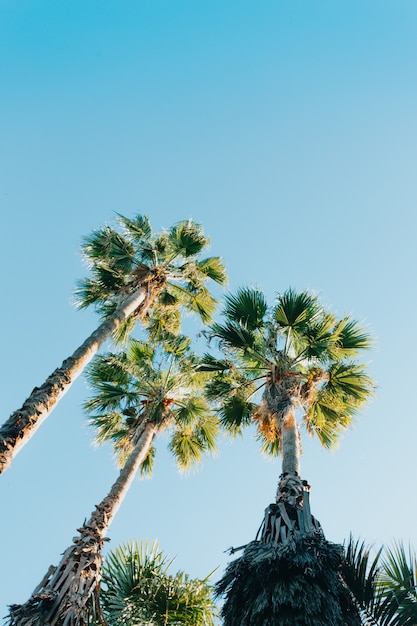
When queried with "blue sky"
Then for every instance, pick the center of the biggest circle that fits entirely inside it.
(289, 131)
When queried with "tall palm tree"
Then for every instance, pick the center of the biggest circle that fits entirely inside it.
(138, 588)
(289, 364)
(133, 272)
(384, 587)
(138, 394)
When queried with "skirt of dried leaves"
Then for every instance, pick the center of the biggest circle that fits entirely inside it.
(293, 584)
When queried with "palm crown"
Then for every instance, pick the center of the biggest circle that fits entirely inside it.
(148, 385)
(138, 588)
(292, 356)
(167, 264)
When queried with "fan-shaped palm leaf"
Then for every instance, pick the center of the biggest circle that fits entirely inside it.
(137, 588)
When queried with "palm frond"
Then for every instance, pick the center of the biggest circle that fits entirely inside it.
(233, 335)
(327, 420)
(361, 574)
(352, 338)
(199, 301)
(235, 413)
(213, 267)
(188, 444)
(139, 228)
(138, 589)
(148, 463)
(187, 239)
(247, 308)
(349, 382)
(295, 310)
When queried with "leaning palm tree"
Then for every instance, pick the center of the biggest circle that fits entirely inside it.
(137, 588)
(384, 587)
(133, 272)
(138, 394)
(292, 364)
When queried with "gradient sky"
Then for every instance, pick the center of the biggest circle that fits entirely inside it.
(288, 129)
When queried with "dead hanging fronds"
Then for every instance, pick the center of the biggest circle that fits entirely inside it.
(267, 423)
(296, 584)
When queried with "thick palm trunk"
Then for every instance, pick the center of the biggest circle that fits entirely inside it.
(24, 422)
(67, 592)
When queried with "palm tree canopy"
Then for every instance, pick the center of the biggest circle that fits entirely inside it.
(137, 588)
(146, 384)
(293, 355)
(168, 263)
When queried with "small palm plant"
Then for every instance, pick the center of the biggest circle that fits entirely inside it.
(138, 394)
(137, 588)
(133, 272)
(291, 364)
(384, 587)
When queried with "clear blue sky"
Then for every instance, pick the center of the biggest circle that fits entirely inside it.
(288, 129)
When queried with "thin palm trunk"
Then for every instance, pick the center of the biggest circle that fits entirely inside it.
(24, 422)
(66, 592)
(290, 444)
(291, 513)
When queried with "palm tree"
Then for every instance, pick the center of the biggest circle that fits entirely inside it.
(385, 587)
(137, 588)
(138, 394)
(292, 362)
(134, 272)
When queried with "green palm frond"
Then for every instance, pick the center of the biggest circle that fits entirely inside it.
(107, 426)
(208, 363)
(107, 246)
(295, 310)
(138, 589)
(189, 443)
(235, 413)
(385, 588)
(247, 308)
(139, 352)
(317, 341)
(233, 335)
(123, 332)
(349, 383)
(139, 228)
(108, 367)
(327, 421)
(88, 292)
(191, 410)
(148, 463)
(199, 301)
(108, 396)
(268, 447)
(352, 338)
(361, 574)
(187, 239)
(213, 268)
(398, 582)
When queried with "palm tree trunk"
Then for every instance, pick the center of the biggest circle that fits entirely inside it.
(67, 592)
(24, 422)
(290, 444)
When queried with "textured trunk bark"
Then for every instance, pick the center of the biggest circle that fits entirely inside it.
(24, 422)
(65, 593)
(290, 444)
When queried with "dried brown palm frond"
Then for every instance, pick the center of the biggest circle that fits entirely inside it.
(293, 584)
